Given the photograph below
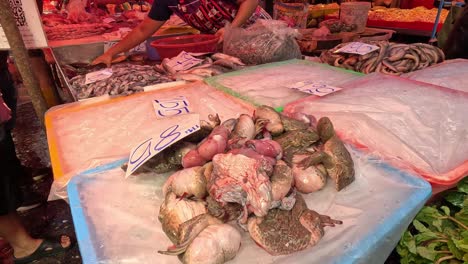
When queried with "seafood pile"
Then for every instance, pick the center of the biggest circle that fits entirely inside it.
(390, 58)
(211, 65)
(126, 79)
(253, 170)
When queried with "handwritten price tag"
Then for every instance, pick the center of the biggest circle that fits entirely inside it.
(93, 77)
(171, 107)
(181, 127)
(183, 61)
(357, 48)
(315, 88)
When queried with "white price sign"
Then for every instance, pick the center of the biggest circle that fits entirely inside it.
(357, 48)
(183, 61)
(29, 24)
(315, 88)
(181, 127)
(93, 77)
(171, 107)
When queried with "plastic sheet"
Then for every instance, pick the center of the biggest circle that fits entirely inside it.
(87, 130)
(264, 42)
(267, 84)
(413, 125)
(120, 225)
(450, 74)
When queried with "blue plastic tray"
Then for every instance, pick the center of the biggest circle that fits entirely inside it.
(409, 193)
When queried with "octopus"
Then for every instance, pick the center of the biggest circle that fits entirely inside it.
(283, 232)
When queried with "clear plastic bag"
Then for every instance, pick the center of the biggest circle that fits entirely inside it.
(268, 84)
(264, 42)
(117, 219)
(413, 125)
(96, 128)
(450, 74)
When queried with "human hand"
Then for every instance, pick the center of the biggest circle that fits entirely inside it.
(220, 34)
(104, 59)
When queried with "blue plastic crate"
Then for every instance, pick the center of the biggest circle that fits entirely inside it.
(389, 200)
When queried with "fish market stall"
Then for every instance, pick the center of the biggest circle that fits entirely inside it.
(413, 125)
(132, 72)
(273, 84)
(375, 210)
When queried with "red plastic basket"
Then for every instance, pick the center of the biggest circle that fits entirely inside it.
(171, 47)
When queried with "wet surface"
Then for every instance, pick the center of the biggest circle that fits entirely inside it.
(51, 219)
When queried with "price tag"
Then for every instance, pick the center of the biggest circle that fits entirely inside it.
(98, 75)
(183, 61)
(315, 88)
(179, 128)
(357, 48)
(108, 20)
(171, 107)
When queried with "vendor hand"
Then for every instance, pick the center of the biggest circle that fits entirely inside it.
(220, 34)
(104, 59)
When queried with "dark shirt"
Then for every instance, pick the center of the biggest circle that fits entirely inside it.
(208, 16)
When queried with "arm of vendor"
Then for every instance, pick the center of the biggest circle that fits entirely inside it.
(208, 17)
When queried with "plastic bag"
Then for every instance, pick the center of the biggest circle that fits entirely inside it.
(413, 125)
(264, 42)
(116, 219)
(96, 128)
(450, 74)
(268, 84)
(77, 11)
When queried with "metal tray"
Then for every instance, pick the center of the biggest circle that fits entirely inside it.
(80, 53)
